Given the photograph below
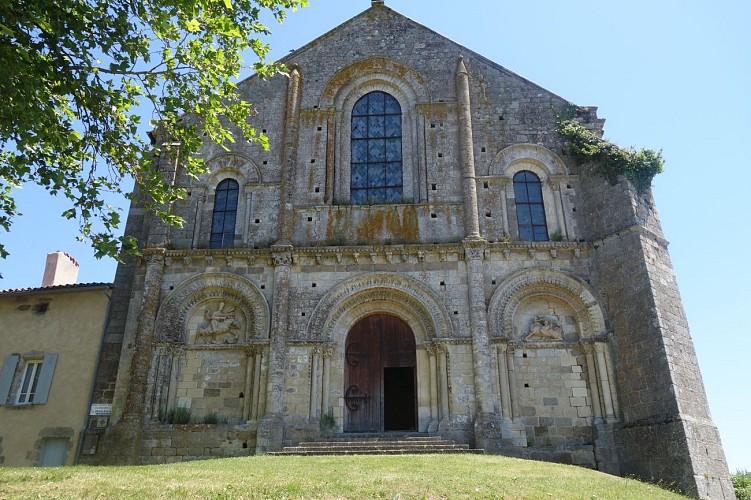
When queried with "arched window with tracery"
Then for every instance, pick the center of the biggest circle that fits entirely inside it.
(376, 150)
(530, 209)
(225, 214)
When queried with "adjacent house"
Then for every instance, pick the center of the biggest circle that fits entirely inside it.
(49, 348)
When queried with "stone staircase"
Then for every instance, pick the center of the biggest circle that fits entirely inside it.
(378, 444)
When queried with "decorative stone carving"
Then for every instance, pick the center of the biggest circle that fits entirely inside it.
(235, 164)
(406, 296)
(209, 290)
(541, 283)
(282, 260)
(220, 326)
(545, 328)
(530, 153)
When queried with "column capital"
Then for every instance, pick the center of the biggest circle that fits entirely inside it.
(281, 255)
(474, 248)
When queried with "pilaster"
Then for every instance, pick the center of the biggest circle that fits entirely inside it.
(289, 159)
(271, 426)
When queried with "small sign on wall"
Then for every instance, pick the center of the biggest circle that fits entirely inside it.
(100, 409)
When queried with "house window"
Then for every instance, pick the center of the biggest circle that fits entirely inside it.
(28, 377)
(29, 382)
(225, 214)
(530, 210)
(376, 150)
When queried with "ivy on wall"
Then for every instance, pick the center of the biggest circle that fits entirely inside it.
(639, 166)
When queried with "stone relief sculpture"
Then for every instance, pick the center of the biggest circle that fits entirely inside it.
(545, 328)
(220, 326)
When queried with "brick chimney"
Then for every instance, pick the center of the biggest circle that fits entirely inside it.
(60, 269)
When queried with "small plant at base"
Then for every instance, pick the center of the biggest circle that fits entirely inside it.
(179, 415)
(211, 418)
(328, 421)
(556, 236)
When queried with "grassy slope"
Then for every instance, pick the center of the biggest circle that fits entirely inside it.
(431, 476)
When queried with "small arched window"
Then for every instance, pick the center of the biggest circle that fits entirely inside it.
(376, 150)
(225, 214)
(530, 210)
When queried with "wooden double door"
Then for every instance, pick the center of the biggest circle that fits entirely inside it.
(380, 386)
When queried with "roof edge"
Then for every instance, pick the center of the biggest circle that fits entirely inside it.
(78, 287)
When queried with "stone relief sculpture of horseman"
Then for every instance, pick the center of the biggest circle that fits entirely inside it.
(220, 326)
(545, 328)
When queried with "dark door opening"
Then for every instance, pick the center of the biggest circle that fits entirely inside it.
(380, 391)
(399, 399)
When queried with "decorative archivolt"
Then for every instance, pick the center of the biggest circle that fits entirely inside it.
(235, 304)
(540, 284)
(527, 157)
(377, 73)
(232, 166)
(374, 293)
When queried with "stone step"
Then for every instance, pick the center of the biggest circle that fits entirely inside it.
(393, 446)
(378, 444)
(379, 436)
(378, 452)
(320, 444)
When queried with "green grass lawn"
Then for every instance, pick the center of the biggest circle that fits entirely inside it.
(407, 476)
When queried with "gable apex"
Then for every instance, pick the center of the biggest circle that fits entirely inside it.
(373, 25)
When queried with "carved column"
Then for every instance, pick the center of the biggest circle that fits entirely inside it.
(198, 218)
(612, 379)
(270, 429)
(504, 207)
(256, 398)
(503, 380)
(328, 351)
(474, 251)
(289, 159)
(514, 392)
(555, 190)
(568, 229)
(144, 336)
(315, 383)
(248, 388)
(592, 377)
(330, 159)
(157, 362)
(602, 371)
(466, 153)
(443, 382)
(246, 220)
(432, 353)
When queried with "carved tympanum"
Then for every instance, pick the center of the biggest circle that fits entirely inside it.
(545, 328)
(220, 326)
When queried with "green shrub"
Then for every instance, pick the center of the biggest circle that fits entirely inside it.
(742, 484)
(211, 418)
(639, 166)
(179, 415)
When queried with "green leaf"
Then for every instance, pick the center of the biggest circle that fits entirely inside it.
(193, 25)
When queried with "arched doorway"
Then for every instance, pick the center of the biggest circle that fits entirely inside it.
(380, 388)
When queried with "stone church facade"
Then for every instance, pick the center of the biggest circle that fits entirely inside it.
(414, 253)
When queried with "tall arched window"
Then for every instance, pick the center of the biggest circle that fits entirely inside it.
(530, 210)
(225, 213)
(376, 150)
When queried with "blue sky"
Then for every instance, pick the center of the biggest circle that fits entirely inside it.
(671, 74)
